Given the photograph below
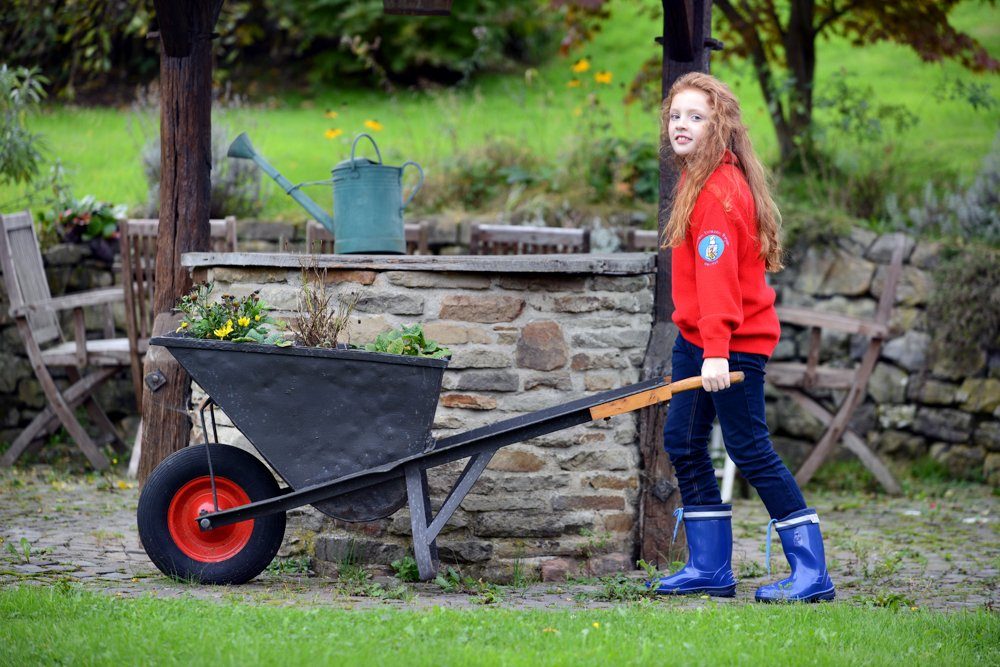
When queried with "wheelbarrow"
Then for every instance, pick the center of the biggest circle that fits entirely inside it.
(349, 432)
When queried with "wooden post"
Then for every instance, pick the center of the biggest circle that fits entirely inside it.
(185, 193)
(687, 26)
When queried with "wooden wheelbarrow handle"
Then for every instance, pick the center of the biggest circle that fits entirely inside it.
(652, 396)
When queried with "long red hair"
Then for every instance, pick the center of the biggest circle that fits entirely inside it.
(725, 130)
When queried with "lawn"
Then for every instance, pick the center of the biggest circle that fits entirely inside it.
(63, 625)
(101, 147)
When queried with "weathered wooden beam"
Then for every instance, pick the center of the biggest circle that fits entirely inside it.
(185, 193)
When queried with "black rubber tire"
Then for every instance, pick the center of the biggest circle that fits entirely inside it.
(189, 464)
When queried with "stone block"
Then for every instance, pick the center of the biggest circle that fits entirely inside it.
(896, 416)
(606, 564)
(465, 551)
(900, 444)
(446, 333)
(908, 350)
(542, 346)
(620, 283)
(606, 459)
(548, 283)
(991, 469)
(509, 459)
(582, 303)
(962, 462)
(913, 289)
(927, 255)
(518, 524)
(561, 381)
(486, 308)
(617, 482)
(881, 250)
(506, 334)
(364, 328)
(980, 395)
(343, 548)
(616, 337)
(585, 361)
(955, 368)
(826, 271)
(341, 276)
(497, 502)
(932, 392)
(256, 275)
(396, 304)
(438, 280)
(557, 569)
(943, 424)
(477, 380)
(619, 523)
(601, 380)
(477, 357)
(561, 503)
(987, 435)
(887, 384)
(468, 401)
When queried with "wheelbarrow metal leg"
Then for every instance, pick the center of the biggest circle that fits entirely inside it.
(424, 545)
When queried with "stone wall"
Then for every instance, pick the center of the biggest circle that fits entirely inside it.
(916, 404)
(525, 335)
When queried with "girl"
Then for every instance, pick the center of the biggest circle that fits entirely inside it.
(724, 233)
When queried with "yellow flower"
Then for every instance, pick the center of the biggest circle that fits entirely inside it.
(573, 83)
(373, 125)
(333, 133)
(225, 330)
(257, 317)
(243, 321)
(597, 625)
(182, 327)
(602, 77)
(330, 113)
(581, 66)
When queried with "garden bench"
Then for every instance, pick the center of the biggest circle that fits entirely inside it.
(319, 239)
(35, 311)
(521, 240)
(641, 240)
(796, 379)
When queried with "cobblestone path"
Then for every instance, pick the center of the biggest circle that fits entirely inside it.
(936, 549)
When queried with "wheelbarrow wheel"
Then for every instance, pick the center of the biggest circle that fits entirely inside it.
(180, 489)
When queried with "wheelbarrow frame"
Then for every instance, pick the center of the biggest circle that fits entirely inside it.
(478, 445)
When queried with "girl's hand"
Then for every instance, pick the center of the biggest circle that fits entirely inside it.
(715, 374)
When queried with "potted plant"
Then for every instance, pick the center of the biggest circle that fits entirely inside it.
(90, 222)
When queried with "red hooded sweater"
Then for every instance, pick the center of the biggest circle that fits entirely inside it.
(722, 302)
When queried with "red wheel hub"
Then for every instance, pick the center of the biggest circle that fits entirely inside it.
(194, 498)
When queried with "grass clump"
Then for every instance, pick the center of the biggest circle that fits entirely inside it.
(320, 321)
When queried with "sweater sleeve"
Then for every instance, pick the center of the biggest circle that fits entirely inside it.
(716, 237)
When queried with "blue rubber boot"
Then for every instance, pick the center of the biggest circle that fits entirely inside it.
(709, 567)
(803, 544)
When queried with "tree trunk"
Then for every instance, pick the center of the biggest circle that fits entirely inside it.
(800, 55)
(185, 193)
(658, 497)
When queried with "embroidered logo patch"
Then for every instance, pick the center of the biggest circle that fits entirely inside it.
(711, 246)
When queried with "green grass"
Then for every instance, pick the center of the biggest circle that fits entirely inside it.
(101, 147)
(46, 626)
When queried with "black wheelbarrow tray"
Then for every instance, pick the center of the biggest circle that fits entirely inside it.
(348, 431)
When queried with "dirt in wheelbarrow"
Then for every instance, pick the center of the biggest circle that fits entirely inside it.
(936, 547)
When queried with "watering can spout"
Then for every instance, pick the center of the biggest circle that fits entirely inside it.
(242, 149)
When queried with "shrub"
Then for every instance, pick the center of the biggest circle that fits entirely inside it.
(235, 183)
(318, 323)
(973, 214)
(20, 150)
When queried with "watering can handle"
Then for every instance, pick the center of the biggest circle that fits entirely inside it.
(419, 183)
(355, 145)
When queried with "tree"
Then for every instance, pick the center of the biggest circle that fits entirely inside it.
(779, 39)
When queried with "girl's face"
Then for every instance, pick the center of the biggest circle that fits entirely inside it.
(688, 120)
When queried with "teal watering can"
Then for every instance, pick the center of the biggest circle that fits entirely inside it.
(367, 199)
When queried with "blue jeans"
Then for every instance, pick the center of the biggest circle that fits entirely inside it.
(740, 409)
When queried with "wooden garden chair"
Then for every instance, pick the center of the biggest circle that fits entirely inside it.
(35, 312)
(520, 240)
(641, 240)
(319, 239)
(138, 248)
(796, 378)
